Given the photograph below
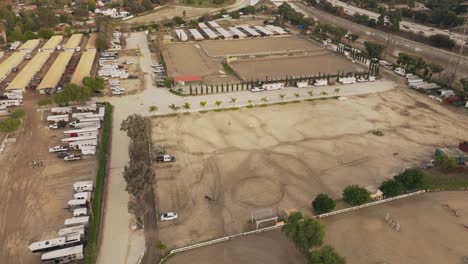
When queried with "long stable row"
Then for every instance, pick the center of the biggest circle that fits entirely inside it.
(235, 32)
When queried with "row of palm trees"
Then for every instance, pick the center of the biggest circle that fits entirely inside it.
(187, 106)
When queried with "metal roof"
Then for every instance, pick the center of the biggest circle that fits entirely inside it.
(29, 45)
(29, 71)
(11, 62)
(83, 69)
(202, 25)
(56, 71)
(214, 24)
(224, 32)
(74, 41)
(77, 250)
(210, 33)
(276, 29)
(264, 30)
(251, 32)
(91, 44)
(52, 43)
(237, 32)
(181, 34)
(196, 34)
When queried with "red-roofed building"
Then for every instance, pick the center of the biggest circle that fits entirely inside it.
(187, 79)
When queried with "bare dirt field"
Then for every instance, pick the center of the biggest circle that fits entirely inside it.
(218, 48)
(282, 156)
(430, 233)
(251, 69)
(190, 59)
(33, 199)
(268, 248)
(168, 12)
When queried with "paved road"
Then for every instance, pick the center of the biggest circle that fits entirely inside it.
(439, 56)
(413, 27)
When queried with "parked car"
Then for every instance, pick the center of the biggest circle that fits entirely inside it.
(169, 216)
(72, 157)
(62, 154)
(257, 89)
(58, 149)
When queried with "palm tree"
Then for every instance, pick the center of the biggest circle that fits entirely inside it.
(337, 90)
(233, 101)
(297, 95)
(218, 103)
(203, 104)
(250, 102)
(282, 97)
(310, 93)
(186, 106)
(323, 93)
(174, 108)
(264, 99)
(153, 109)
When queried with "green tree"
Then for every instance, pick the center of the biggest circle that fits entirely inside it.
(356, 195)
(412, 179)
(297, 95)
(445, 162)
(374, 49)
(305, 233)
(233, 101)
(323, 203)
(250, 102)
(392, 188)
(95, 83)
(9, 125)
(174, 108)
(139, 177)
(218, 103)
(203, 104)
(281, 96)
(310, 93)
(136, 126)
(152, 109)
(325, 255)
(323, 93)
(186, 106)
(18, 113)
(337, 90)
(264, 99)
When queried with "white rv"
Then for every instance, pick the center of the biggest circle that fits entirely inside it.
(83, 186)
(272, 86)
(74, 221)
(77, 203)
(72, 230)
(64, 255)
(7, 102)
(82, 196)
(80, 212)
(57, 118)
(400, 71)
(55, 243)
(322, 82)
(347, 80)
(302, 84)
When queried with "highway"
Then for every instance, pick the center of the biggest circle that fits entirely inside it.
(397, 44)
(404, 25)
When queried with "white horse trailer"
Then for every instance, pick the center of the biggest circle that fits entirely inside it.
(55, 243)
(72, 230)
(272, 86)
(74, 221)
(64, 255)
(83, 186)
(347, 80)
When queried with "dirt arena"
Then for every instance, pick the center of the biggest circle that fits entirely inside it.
(186, 59)
(33, 199)
(430, 233)
(265, 248)
(322, 61)
(282, 156)
(238, 47)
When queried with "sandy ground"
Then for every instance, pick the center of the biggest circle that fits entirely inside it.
(430, 233)
(282, 156)
(184, 59)
(259, 45)
(293, 66)
(265, 248)
(33, 199)
(169, 12)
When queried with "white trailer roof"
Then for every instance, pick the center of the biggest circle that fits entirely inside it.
(29, 71)
(29, 45)
(202, 25)
(73, 139)
(52, 43)
(56, 71)
(237, 32)
(84, 66)
(224, 33)
(11, 62)
(181, 34)
(87, 129)
(210, 33)
(196, 34)
(213, 24)
(276, 29)
(264, 30)
(251, 32)
(47, 243)
(77, 250)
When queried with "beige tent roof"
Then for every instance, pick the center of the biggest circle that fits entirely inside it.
(74, 41)
(52, 43)
(84, 66)
(30, 44)
(11, 62)
(28, 72)
(91, 44)
(55, 72)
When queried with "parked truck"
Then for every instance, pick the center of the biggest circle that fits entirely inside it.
(165, 158)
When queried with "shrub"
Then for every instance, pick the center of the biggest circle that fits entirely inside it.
(325, 255)
(445, 162)
(45, 101)
(412, 179)
(392, 188)
(9, 125)
(18, 113)
(356, 195)
(323, 203)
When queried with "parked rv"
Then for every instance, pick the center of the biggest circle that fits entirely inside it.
(58, 149)
(165, 158)
(272, 86)
(65, 255)
(77, 203)
(74, 221)
(72, 157)
(83, 186)
(347, 80)
(55, 243)
(322, 82)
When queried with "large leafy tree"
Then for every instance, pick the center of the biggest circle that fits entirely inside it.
(374, 49)
(323, 203)
(412, 179)
(392, 188)
(356, 195)
(305, 233)
(139, 177)
(325, 255)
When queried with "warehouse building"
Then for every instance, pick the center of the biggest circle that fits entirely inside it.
(84, 67)
(196, 34)
(52, 43)
(26, 75)
(52, 78)
(10, 63)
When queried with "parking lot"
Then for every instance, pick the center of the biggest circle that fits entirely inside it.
(35, 197)
(286, 154)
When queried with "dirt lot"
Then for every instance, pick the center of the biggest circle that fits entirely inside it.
(33, 199)
(430, 233)
(269, 248)
(190, 59)
(259, 45)
(283, 156)
(252, 69)
(168, 12)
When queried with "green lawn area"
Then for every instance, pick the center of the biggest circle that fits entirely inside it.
(437, 179)
(206, 3)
